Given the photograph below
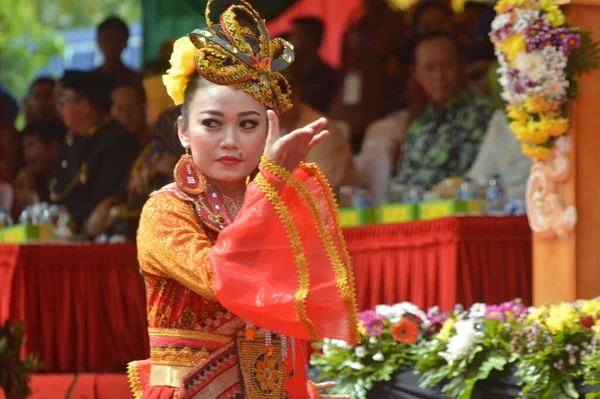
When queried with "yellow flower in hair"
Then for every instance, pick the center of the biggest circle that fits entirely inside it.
(513, 45)
(182, 66)
(535, 151)
(554, 127)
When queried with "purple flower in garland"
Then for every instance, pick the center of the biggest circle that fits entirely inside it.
(558, 36)
(372, 321)
(570, 42)
(500, 312)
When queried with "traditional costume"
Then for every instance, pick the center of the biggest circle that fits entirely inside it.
(231, 290)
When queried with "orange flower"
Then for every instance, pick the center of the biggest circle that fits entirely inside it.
(267, 374)
(406, 331)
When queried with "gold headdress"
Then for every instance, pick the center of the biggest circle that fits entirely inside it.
(235, 52)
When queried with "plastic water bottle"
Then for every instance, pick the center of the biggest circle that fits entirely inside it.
(414, 193)
(495, 198)
(362, 198)
(467, 190)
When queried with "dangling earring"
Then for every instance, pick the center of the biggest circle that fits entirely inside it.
(187, 176)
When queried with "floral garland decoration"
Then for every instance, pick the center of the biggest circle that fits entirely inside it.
(539, 56)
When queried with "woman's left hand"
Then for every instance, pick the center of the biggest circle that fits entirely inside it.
(324, 386)
(289, 150)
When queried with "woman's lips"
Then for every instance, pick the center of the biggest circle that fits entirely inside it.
(229, 160)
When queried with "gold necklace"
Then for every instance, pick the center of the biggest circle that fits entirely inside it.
(233, 205)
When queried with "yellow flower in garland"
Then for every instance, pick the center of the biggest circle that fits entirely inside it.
(596, 327)
(554, 127)
(591, 308)
(182, 66)
(519, 129)
(446, 330)
(535, 104)
(513, 46)
(562, 317)
(361, 328)
(536, 151)
(516, 114)
(535, 134)
(553, 13)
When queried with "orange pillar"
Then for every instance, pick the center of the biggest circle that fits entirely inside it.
(569, 269)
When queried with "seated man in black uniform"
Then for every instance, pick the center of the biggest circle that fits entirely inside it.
(97, 152)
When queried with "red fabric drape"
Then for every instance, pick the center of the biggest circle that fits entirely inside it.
(335, 14)
(83, 305)
(442, 262)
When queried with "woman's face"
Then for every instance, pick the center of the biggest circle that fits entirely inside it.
(226, 131)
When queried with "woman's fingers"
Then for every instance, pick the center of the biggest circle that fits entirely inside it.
(318, 138)
(323, 386)
(273, 131)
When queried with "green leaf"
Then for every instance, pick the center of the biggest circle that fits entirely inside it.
(569, 388)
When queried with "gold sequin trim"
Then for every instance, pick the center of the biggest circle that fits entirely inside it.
(343, 274)
(333, 209)
(297, 250)
(187, 334)
(134, 380)
(178, 357)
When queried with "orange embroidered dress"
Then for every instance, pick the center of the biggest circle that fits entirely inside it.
(281, 265)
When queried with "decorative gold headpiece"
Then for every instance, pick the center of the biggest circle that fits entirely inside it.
(235, 52)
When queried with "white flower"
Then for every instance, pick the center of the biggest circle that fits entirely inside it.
(477, 311)
(330, 344)
(524, 19)
(356, 365)
(500, 21)
(360, 351)
(461, 344)
(373, 340)
(532, 64)
(378, 357)
(395, 313)
(556, 89)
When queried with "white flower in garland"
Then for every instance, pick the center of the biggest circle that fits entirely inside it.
(378, 357)
(500, 22)
(360, 351)
(461, 344)
(395, 312)
(532, 65)
(524, 18)
(330, 344)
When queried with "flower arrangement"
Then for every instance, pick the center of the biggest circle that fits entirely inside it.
(539, 56)
(387, 333)
(14, 371)
(553, 351)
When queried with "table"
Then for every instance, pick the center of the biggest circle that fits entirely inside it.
(83, 305)
(442, 262)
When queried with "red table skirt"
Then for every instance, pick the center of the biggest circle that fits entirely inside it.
(442, 262)
(85, 386)
(83, 305)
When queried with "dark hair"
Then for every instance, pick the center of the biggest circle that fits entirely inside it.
(139, 89)
(165, 131)
(114, 23)
(48, 131)
(40, 81)
(427, 5)
(438, 34)
(311, 26)
(195, 81)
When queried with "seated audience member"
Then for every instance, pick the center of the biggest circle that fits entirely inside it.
(39, 102)
(318, 80)
(152, 170)
(500, 153)
(129, 109)
(333, 155)
(431, 16)
(112, 37)
(41, 141)
(469, 19)
(91, 162)
(444, 139)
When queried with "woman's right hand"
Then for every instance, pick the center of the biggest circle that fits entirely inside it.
(288, 151)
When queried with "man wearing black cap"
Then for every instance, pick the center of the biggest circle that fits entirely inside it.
(96, 154)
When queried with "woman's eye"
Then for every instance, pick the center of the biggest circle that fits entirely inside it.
(210, 123)
(248, 124)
